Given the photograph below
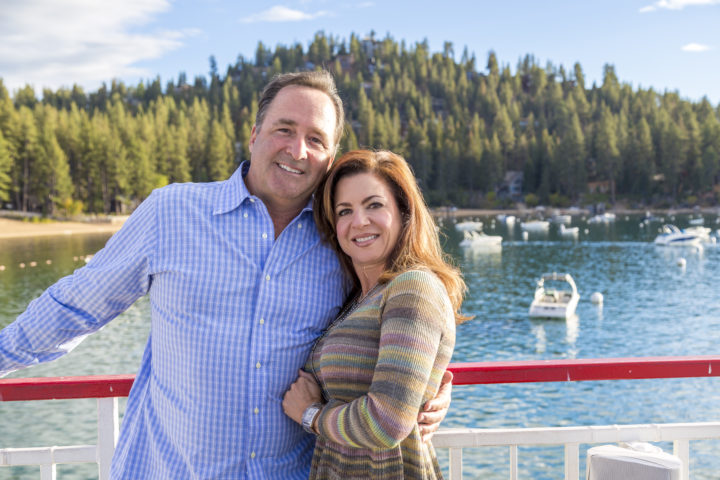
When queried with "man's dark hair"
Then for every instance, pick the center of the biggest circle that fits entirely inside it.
(320, 80)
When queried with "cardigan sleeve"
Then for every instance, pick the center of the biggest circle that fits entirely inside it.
(416, 341)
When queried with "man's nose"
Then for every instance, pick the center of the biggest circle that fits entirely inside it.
(298, 148)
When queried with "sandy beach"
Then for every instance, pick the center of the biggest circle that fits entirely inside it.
(19, 229)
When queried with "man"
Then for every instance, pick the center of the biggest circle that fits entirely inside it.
(240, 286)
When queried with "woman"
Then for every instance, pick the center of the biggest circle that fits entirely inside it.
(386, 352)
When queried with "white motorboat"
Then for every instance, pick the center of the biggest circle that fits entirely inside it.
(468, 226)
(670, 235)
(535, 226)
(561, 219)
(551, 302)
(702, 232)
(569, 231)
(696, 221)
(607, 217)
(508, 220)
(477, 239)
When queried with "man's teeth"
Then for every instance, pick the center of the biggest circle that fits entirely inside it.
(365, 239)
(288, 169)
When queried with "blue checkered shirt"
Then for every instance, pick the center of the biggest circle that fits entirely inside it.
(234, 316)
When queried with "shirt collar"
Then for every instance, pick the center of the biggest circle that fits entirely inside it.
(234, 192)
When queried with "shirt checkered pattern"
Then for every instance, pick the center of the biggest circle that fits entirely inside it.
(234, 315)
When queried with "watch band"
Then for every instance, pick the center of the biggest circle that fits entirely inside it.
(309, 415)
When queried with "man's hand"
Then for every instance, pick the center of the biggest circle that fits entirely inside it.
(435, 409)
(302, 393)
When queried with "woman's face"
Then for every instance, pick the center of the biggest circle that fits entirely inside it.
(367, 220)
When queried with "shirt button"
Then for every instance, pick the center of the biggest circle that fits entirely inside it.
(264, 235)
(252, 455)
(252, 200)
(299, 225)
(256, 411)
(257, 365)
(267, 278)
(245, 215)
(262, 321)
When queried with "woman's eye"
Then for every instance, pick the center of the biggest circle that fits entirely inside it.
(375, 205)
(343, 212)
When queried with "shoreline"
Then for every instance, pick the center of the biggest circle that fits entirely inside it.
(549, 211)
(10, 228)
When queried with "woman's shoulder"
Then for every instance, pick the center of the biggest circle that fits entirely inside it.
(419, 282)
(418, 277)
(420, 289)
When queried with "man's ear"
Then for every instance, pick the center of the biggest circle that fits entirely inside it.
(253, 135)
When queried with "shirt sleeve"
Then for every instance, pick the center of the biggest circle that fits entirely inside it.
(412, 358)
(81, 303)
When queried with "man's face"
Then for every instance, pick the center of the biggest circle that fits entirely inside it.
(293, 148)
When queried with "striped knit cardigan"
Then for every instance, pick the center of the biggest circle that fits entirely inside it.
(377, 367)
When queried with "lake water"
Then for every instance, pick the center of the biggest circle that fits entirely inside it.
(652, 307)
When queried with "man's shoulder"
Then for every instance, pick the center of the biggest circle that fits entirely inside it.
(182, 195)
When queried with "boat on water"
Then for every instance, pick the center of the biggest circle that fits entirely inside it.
(671, 236)
(607, 217)
(569, 231)
(477, 239)
(535, 226)
(696, 221)
(552, 302)
(468, 226)
(508, 220)
(700, 231)
(561, 219)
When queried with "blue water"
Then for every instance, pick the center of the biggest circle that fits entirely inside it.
(652, 307)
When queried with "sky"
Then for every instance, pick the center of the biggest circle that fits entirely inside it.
(669, 45)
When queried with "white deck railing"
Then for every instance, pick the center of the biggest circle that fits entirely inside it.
(107, 389)
(571, 438)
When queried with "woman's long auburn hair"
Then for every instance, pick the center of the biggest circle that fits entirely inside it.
(418, 245)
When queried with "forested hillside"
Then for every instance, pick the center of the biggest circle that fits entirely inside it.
(461, 124)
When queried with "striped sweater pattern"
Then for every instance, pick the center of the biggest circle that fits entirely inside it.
(377, 367)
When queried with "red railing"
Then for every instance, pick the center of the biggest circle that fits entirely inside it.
(101, 386)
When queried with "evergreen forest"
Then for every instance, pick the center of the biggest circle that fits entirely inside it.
(463, 127)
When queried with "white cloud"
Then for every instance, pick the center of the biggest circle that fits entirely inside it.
(695, 47)
(676, 4)
(51, 43)
(282, 14)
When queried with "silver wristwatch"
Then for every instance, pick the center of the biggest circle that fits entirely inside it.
(309, 415)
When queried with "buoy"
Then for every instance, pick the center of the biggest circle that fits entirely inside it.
(642, 225)
(22, 265)
(681, 262)
(2, 267)
(525, 235)
(48, 262)
(33, 264)
(587, 231)
(75, 259)
(597, 298)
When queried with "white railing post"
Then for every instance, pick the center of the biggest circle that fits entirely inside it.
(456, 464)
(513, 462)
(572, 461)
(681, 449)
(107, 429)
(48, 472)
